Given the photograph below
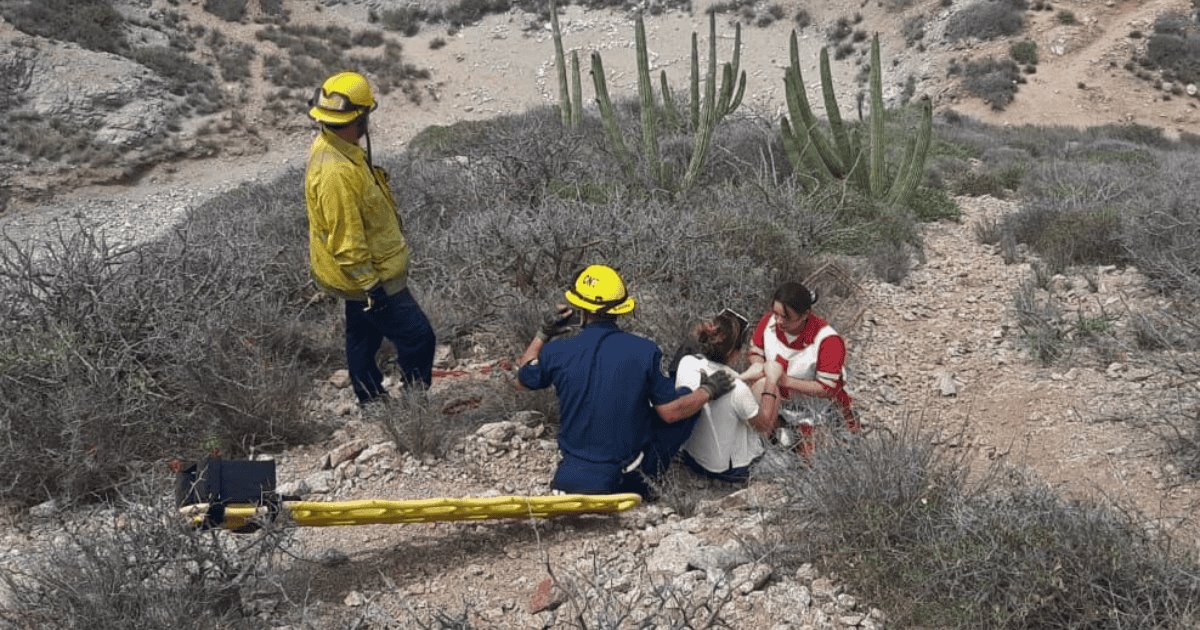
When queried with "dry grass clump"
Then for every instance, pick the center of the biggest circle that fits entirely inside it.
(908, 528)
(116, 355)
(141, 566)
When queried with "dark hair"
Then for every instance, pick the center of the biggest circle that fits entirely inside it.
(726, 335)
(795, 296)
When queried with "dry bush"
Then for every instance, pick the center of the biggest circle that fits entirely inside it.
(908, 528)
(597, 597)
(183, 76)
(993, 80)
(128, 354)
(312, 53)
(142, 566)
(986, 19)
(1040, 321)
(1163, 219)
(228, 10)
(429, 424)
(1174, 48)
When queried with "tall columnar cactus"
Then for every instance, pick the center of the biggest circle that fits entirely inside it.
(705, 113)
(846, 157)
(570, 96)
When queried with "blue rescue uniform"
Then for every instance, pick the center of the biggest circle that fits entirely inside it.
(607, 382)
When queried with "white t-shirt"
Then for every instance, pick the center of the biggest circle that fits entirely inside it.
(722, 438)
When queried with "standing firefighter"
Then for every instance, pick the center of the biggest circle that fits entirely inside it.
(356, 246)
(622, 419)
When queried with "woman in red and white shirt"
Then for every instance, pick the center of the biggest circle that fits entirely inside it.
(799, 352)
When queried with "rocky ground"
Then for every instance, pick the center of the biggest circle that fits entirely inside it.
(943, 347)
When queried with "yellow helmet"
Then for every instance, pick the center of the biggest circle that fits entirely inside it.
(341, 99)
(599, 289)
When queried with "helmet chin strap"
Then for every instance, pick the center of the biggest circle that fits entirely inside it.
(364, 130)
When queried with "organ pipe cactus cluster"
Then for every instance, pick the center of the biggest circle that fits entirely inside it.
(705, 112)
(846, 156)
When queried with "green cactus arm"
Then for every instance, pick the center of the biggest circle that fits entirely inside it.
(708, 117)
(648, 106)
(803, 119)
(836, 125)
(695, 83)
(799, 152)
(670, 112)
(737, 96)
(560, 62)
(576, 90)
(913, 168)
(878, 185)
(609, 118)
(736, 66)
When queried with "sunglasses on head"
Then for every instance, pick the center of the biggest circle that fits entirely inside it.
(743, 324)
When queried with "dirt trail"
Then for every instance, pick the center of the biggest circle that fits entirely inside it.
(1091, 54)
(954, 318)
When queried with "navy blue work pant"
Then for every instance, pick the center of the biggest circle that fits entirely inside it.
(399, 319)
(579, 476)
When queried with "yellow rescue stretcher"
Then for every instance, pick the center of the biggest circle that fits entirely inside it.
(376, 511)
(240, 496)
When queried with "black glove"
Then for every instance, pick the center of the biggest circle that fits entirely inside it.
(716, 384)
(376, 299)
(555, 323)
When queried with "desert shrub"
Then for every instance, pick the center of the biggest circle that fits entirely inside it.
(1162, 220)
(802, 18)
(913, 30)
(36, 138)
(839, 30)
(906, 526)
(367, 39)
(933, 204)
(1071, 236)
(428, 424)
(403, 20)
(1000, 174)
(1176, 53)
(228, 10)
(183, 76)
(137, 565)
(127, 354)
(234, 59)
(1066, 17)
(437, 43)
(1024, 52)
(1040, 322)
(314, 53)
(471, 11)
(93, 24)
(272, 8)
(993, 80)
(986, 19)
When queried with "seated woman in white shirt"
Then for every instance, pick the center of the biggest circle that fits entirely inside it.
(728, 437)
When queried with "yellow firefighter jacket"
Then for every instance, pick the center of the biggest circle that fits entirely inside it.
(355, 238)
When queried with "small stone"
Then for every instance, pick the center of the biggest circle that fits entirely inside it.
(354, 599)
(340, 379)
(546, 596)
